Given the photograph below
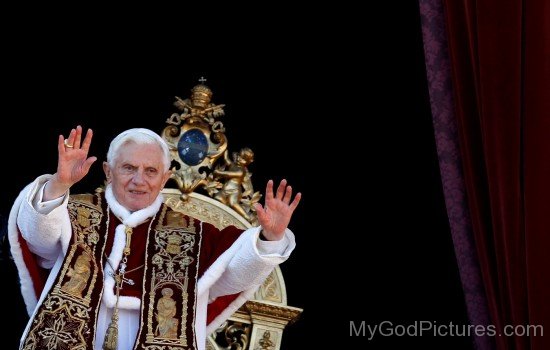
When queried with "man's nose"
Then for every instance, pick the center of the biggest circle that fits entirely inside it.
(138, 177)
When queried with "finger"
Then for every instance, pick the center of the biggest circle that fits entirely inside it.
(87, 140)
(288, 194)
(70, 138)
(269, 191)
(260, 212)
(296, 200)
(88, 164)
(281, 189)
(60, 144)
(78, 137)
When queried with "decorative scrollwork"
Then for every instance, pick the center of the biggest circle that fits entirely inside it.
(232, 336)
(270, 290)
(284, 313)
(198, 146)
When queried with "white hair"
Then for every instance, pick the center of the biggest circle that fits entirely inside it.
(140, 136)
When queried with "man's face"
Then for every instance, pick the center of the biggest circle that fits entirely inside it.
(138, 175)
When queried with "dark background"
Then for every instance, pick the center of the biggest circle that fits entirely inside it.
(340, 110)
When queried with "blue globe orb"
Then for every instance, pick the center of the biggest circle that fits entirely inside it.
(193, 147)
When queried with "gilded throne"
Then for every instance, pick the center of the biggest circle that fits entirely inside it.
(202, 163)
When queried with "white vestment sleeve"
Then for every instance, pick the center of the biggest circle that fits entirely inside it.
(45, 207)
(41, 223)
(273, 248)
(252, 263)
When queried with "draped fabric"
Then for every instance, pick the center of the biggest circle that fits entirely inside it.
(446, 136)
(500, 69)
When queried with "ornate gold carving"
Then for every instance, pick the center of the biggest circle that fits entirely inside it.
(232, 335)
(204, 209)
(199, 114)
(199, 105)
(270, 289)
(266, 342)
(237, 190)
(225, 179)
(283, 314)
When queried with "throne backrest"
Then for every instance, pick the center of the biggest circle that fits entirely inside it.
(217, 188)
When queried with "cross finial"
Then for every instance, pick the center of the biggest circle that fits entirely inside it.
(120, 280)
(202, 80)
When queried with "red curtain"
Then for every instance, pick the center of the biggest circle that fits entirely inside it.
(500, 64)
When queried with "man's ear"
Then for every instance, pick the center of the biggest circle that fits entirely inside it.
(166, 177)
(107, 170)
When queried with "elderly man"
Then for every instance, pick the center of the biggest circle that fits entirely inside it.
(93, 267)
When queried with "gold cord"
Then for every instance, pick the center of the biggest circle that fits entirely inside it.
(111, 336)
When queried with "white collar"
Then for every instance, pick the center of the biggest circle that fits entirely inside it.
(131, 219)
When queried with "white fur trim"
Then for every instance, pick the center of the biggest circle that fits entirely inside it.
(214, 272)
(27, 286)
(135, 218)
(109, 297)
(114, 205)
(128, 220)
(230, 309)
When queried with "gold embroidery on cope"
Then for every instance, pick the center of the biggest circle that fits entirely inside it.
(168, 294)
(79, 275)
(61, 322)
(167, 324)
